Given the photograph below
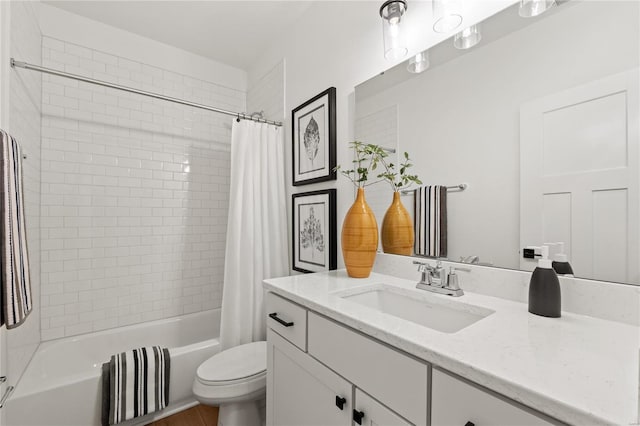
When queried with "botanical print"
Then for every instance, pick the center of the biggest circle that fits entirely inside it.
(312, 225)
(311, 141)
(313, 244)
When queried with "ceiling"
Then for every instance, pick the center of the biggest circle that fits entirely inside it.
(231, 32)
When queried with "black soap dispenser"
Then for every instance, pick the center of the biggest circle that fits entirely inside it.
(560, 263)
(544, 289)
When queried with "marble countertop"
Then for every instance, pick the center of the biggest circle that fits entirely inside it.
(577, 369)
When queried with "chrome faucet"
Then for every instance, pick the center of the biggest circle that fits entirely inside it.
(437, 280)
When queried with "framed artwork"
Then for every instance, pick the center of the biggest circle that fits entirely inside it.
(314, 139)
(314, 244)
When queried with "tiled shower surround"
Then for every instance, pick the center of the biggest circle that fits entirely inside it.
(24, 124)
(134, 193)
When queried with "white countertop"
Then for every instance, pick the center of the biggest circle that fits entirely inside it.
(577, 369)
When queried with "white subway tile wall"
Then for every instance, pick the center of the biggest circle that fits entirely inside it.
(24, 124)
(134, 193)
(267, 94)
(381, 128)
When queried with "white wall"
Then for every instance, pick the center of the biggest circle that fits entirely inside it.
(267, 94)
(134, 190)
(62, 25)
(460, 121)
(24, 118)
(340, 44)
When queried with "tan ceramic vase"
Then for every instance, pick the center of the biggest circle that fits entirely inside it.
(397, 229)
(359, 238)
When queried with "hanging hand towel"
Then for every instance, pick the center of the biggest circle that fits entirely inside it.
(430, 221)
(15, 295)
(135, 383)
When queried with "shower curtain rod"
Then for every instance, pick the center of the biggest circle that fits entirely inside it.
(51, 71)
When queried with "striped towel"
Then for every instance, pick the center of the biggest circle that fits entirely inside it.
(15, 296)
(430, 221)
(135, 383)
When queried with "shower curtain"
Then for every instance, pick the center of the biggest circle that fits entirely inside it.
(256, 231)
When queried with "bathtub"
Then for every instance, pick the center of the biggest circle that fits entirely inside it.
(61, 385)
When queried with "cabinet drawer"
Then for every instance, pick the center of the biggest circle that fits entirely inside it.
(287, 319)
(455, 402)
(387, 375)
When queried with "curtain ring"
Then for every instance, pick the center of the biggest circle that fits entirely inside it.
(238, 119)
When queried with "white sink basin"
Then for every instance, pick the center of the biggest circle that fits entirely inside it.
(422, 309)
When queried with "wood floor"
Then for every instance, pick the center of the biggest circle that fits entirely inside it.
(200, 415)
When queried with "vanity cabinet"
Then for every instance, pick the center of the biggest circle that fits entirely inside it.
(301, 391)
(390, 376)
(326, 374)
(457, 402)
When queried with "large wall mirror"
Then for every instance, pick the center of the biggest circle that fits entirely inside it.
(540, 120)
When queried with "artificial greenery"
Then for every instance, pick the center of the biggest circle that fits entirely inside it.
(368, 157)
(401, 179)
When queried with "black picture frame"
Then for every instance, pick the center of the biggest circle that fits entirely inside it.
(322, 110)
(305, 204)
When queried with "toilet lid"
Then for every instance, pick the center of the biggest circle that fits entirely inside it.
(236, 363)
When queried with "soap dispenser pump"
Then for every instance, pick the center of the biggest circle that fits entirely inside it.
(544, 289)
(560, 262)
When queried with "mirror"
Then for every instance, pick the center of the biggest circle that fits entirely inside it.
(540, 121)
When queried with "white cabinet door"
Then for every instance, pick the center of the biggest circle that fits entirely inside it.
(456, 403)
(370, 412)
(301, 391)
(579, 154)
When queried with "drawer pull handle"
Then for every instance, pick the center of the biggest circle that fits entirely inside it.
(274, 315)
(469, 424)
(340, 401)
(358, 416)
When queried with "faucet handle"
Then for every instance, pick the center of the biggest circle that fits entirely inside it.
(452, 279)
(423, 266)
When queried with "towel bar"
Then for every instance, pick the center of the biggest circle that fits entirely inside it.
(459, 188)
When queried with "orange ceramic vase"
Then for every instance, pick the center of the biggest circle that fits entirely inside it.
(397, 229)
(359, 238)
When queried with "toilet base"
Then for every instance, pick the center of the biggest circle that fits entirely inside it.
(247, 413)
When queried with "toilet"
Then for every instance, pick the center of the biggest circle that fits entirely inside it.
(235, 380)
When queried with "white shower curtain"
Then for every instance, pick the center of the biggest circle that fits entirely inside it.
(256, 231)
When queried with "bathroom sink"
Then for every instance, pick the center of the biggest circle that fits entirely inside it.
(422, 309)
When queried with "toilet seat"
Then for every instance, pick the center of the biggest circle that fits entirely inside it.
(241, 363)
(234, 375)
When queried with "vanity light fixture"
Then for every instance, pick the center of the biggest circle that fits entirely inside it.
(447, 15)
(419, 63)
(468, 37)
(531, 8)
(391, 12)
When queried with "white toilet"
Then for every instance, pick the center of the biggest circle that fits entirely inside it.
(235, 380)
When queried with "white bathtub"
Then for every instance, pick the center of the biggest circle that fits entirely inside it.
(62, 384)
